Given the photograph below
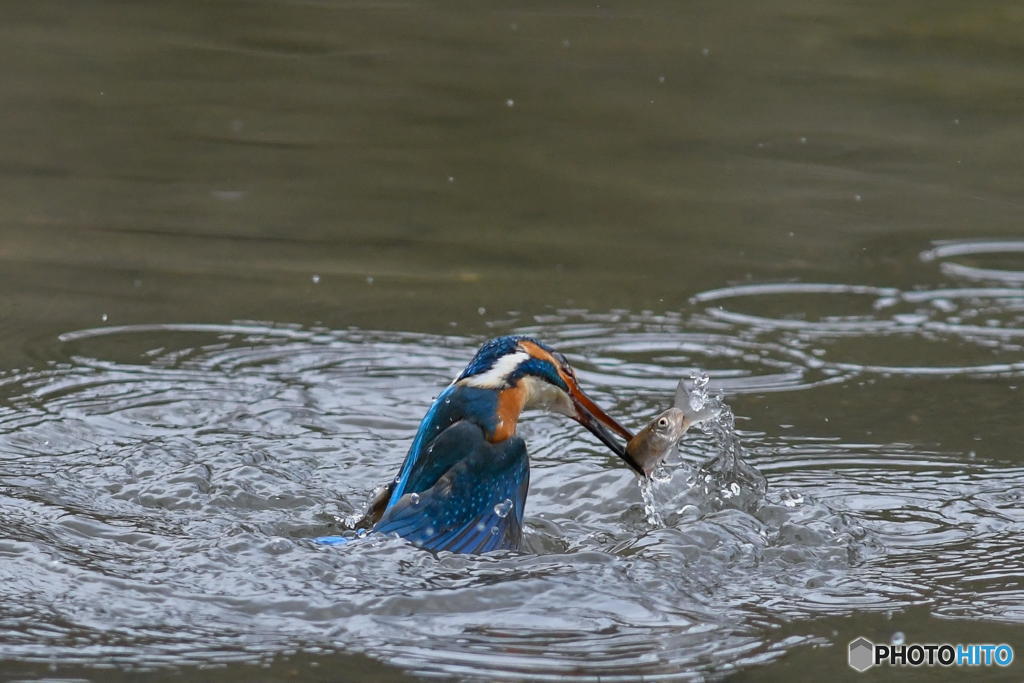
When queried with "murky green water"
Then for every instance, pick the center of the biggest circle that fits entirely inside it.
(242, 245)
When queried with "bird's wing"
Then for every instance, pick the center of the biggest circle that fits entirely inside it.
(475, 503)
(438, 418)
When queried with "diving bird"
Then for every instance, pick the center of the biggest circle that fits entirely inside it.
(463, 484)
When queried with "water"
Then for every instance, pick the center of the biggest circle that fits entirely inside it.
(243, 245)
(158, 504)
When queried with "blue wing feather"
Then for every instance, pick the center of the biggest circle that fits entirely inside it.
(458, 511)
(427, 430)
(421, 467)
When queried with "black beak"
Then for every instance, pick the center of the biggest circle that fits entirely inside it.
(597, 423)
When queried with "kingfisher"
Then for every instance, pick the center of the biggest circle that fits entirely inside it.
(463, 484)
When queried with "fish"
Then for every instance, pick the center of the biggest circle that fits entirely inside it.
(652, 444)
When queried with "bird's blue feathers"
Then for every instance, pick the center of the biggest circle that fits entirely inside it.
(453, 404)
(456, 490)
(475, 505)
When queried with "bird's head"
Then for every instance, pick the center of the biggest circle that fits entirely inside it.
(528, 374)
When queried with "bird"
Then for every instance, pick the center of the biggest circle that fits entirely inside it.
(463, 484)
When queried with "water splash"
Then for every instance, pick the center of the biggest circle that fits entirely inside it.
(650, 500)
(726, 480)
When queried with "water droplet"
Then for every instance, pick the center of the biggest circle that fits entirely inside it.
(369, 279)
(857, 198)
(502, 508)
(566, 44)
(661, 79)
(360, 533)
(451, 179)
(315, 279)
(279, 546)
(510, 103)
(414, 498)
(494, 531)
(803, 140)
(898, 638)
(481, 310)
(705, 51)
(790, 499)
(104, 317)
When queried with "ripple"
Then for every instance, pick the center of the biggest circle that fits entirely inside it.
(839, 301)
(159, 484)
(994, 250)
(938, 332)
(651, 358)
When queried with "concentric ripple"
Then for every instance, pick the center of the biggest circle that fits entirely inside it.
(980, 252)
(858, 329)
(159, 484)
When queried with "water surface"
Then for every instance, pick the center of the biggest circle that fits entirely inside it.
(244, 244)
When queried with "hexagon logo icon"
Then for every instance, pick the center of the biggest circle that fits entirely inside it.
(861, 654)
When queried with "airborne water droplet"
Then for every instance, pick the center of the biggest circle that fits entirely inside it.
(415, 498)
(502, 508)
(898, 638)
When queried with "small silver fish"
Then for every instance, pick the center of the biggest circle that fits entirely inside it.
(655, 441)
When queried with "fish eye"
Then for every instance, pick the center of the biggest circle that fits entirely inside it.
(663, 422)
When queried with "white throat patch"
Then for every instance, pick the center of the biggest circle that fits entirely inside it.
(497, 376)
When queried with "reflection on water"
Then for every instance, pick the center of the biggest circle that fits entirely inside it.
(161, 483)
